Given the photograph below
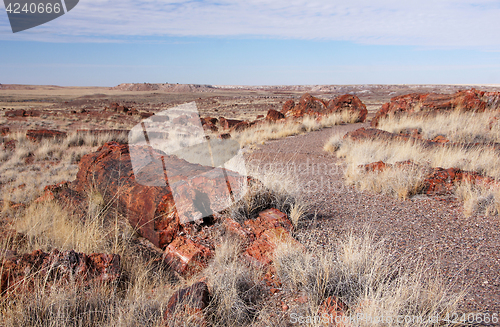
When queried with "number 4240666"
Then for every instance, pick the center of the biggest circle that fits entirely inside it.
(33, 8)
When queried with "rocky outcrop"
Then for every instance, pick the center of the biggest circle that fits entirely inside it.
(378, 134)
(274, 115)
(166, 193)
(310, 105)
(262, 234)
(37, 135)
(186, 256)
(468, 100)
(350, 103)
(21, 272)
(438, 181)
(228, 123)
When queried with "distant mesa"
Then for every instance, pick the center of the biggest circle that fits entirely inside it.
(181, 88)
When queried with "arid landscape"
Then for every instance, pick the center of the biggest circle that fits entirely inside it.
(356, 203)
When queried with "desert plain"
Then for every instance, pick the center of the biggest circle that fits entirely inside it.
(384, 202)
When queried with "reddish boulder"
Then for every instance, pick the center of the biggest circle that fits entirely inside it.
(146, 197)
(378, 166)
(15, 113)
(211, 120)
(228, 123)
(348, 102)
(308, 105)
(33, 113)
(185, 256)
(185, 307)
(4, 130)
(287, 106)
(335, 311)
(41, 134)
(469, 100)
(20, 272)
(273, 115)
(240, 126)
(442, 181)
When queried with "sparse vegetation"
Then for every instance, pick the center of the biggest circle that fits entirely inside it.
(266, 131)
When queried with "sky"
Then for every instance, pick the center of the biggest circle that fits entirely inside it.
(258, 42)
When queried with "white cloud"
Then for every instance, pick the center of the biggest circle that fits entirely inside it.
(438, 23)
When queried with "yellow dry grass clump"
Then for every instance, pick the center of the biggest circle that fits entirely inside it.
(407, 180)
(276, 130)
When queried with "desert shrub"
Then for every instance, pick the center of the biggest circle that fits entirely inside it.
(360, 272)
(238, 289)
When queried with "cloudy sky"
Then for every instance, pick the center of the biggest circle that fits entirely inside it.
(256, 42)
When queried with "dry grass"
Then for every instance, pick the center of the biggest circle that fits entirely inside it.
(53, 161)
(275, 189)
(362, 274)
(138, 299)
(479, 199)
(266, 131)
(406, 181)
(457, 126)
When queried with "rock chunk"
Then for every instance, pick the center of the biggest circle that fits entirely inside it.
(20, 272)
(37, 135)
(188, 303)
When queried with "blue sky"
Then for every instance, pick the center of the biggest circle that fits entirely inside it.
(258, 42)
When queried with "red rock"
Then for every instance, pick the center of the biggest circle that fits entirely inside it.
(146, 197)
(15, 113)
(268, 219)
(146, 114)
(209, 120)
(188, 302)
(33, 113)
(240, 126)
(378, 166)
(228, 123)
(273, 115)
(308, 105)
(4, 130)
(211, 127)
(41, 134)
(413, 132)
(234, 228)
(348, 102)
(10, 145)
(261, 251)
(20, 272)
(335, 310)
(287, 106)
(468, 100)
(185, 256)
(440, 139)
(260, 116)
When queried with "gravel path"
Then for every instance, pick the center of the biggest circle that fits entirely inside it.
(467, 250)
